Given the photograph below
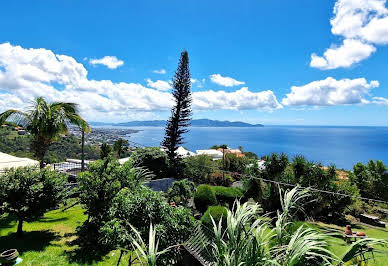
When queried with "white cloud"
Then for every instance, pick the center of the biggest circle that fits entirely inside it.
(109, 61)
(241, 99)
(198, 82)
(362, 24)
(225, 81)
(330, 92)
(159, 85)
(380, 100)
(161, 71)
(350, 52)
(28, 73)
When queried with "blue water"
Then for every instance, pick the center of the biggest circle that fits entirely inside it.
(342, 146)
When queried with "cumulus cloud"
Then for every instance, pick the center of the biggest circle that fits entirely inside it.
(159, 85)
(109, 61)
(161, 71)
(329, 92)
(241, 99)
(225, 81)
(28, 73)
(350, 52)
(363, 24)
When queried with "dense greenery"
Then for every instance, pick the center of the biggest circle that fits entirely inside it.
(120, 147)
(207, 195)
(180, 118)
(199, 168)
(181, 191)
(216, 213)
(28, 193)
(105, 150)
(46, 122)
(153, 159)
(139, 208)
(64, 148)
(233, 163)
(250, 240)
(371, 179)
(204, 197)
(97, 188)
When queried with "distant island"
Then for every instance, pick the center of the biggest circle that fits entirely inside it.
(194, 123)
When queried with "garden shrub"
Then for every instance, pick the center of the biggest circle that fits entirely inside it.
(210, 195)
(97, 188)
(181, 191)
(217, 212)
(198, 168)
(204, 197)
(28, 193)
(152, 159)
(220, 179)
(139, 208)
(227, 194)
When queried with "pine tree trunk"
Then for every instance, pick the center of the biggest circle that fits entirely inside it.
(20, 227)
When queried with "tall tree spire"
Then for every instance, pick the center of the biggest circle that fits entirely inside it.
(180, 118)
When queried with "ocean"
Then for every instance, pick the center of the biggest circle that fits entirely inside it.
(342, 146)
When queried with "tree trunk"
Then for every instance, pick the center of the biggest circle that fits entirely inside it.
(39, 147)
(83, 152)
(20, 228)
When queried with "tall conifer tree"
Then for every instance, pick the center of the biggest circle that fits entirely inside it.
(180, 118)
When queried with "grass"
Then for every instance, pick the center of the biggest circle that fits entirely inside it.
(338, 246)
(48, 241)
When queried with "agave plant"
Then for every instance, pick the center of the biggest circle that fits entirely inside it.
(250, 240)
(147, 254)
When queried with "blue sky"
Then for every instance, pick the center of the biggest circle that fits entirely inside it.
(245, 57)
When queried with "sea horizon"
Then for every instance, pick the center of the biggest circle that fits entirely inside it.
(342, 146)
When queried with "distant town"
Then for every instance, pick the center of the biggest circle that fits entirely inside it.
(101, 135)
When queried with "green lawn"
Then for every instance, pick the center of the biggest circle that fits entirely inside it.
(48, 241)
(338, 246)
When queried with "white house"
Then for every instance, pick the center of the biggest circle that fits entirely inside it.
(213, 153)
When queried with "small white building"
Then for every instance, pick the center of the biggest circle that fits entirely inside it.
(213, 153)
(182, 152)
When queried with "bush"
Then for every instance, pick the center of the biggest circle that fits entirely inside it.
(217, 212)
(97, 188)
(233, 163)
(220, 179)
(139, 208)
(28, 193)
(199, 168)
(181, 191)
(152, 159)
(227, 194)
(204, 197)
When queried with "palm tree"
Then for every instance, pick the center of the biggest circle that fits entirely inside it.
(46, 122)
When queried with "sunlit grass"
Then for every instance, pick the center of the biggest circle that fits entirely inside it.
(49, 240)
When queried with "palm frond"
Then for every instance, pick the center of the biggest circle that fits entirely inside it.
(360, 247)
(305, 245)
(15, 116)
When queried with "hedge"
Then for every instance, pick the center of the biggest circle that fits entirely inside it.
(207, 195)
(204, 197)
(217, 212)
